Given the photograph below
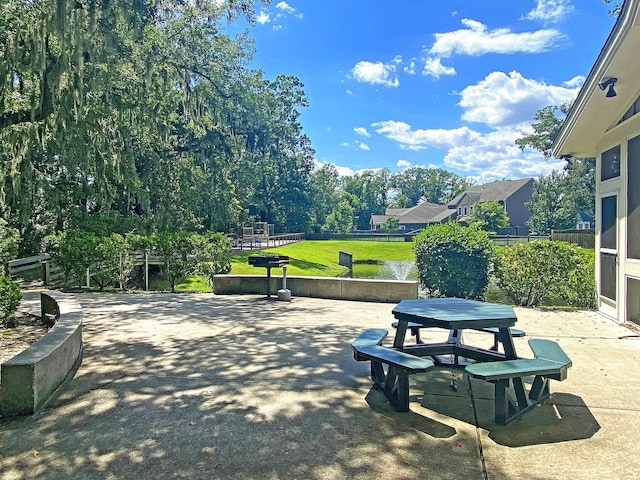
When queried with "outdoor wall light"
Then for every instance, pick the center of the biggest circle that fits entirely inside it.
(608, 83)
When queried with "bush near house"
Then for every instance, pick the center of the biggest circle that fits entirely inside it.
(453, 260)
(532, 272)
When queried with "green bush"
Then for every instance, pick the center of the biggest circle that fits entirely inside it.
(580, 290)
(73, 252)
(176, 250)
(10, 297)
(210, 255)
(9, 238)
(113, 262)
(531, 272)
(453, 260)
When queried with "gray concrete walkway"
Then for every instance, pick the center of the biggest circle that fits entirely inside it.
(236, 387)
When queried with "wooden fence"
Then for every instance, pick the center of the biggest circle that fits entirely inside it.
(583, 238)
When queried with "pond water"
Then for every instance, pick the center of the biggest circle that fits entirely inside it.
(398, 270)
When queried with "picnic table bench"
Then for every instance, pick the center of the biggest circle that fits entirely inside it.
(395, 381)
(550, 363)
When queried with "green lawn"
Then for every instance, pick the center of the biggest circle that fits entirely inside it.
(320, 257)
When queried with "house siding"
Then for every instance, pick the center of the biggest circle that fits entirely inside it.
(515, 205)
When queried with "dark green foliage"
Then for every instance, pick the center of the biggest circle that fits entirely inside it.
(210, 255)
(10, 297)
(113, 261)
(489, 216)
(581, 281)
(390, 225)
(453, 260)
(176, 250)
(435, 185)
(73, 252)
(9, 238)
(531, 272)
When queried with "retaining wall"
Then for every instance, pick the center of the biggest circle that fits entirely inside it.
(366, 290)
(30, 378)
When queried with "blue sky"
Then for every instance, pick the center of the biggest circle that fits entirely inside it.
(448, 84)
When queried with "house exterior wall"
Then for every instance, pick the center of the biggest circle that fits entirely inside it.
(515, 205)
(626, 307)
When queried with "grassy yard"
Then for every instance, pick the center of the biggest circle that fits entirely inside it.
(320, 258)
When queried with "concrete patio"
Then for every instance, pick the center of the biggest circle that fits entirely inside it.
(237, 387)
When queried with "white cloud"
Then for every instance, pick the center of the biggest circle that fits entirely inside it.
(363, 146)
(433, 66)
(576, 81)
(345, 144)
(501, 99)
(362, 131)
(284, 10)
(476, 40)
(550, 11)
(348, 92)
(342, 171)
(285, 7)
(263, 17)
(404, 164)
(484, 156)
(376, 73)
(495, 156)
(345, 171)
(411, 68)
(409, 139)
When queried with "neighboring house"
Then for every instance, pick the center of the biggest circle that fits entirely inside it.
(511, 194)
(584, 221)
(414, 218)
(604, 123)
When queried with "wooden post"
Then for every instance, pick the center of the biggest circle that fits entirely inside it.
(146, 270)
(120, 273)
(46, 273)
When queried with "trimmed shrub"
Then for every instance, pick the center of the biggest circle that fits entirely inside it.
(580, 289)
(531, 272)
(453, 260)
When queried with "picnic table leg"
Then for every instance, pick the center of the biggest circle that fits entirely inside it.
(539, 389)
(504, 337)
(455, 338)
(268, 282)
(401, 331)
(501, 401)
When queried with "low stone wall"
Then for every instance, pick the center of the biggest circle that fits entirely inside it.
(29, 379)
(365, 290)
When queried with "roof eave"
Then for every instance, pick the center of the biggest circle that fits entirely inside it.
(562, 145)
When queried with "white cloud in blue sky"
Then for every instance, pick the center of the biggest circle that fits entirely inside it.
(550, 11)
(362, 131)
(376, 73)
(433, 66)
(487, 67)
(477, 39)
(502, 99)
